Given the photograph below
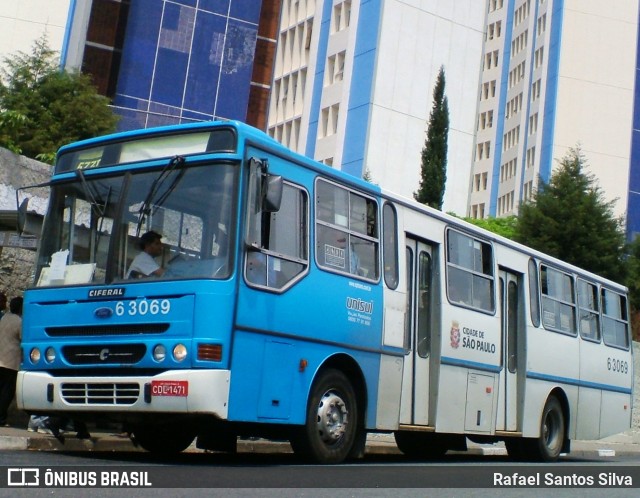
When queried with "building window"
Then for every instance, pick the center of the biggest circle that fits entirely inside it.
(335, 68)
(329, 121)
(533, 123)
(341, 16)
(538, 57)
(542, 24)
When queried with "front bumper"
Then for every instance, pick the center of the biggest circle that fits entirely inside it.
(174, 391)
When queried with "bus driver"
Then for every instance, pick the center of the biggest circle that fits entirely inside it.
(144, 264)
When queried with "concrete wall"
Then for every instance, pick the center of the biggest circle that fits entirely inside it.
(16, 265)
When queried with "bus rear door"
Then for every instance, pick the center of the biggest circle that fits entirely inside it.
(510, 300)
(420, 301)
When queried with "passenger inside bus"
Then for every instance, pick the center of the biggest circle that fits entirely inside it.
(144, 264)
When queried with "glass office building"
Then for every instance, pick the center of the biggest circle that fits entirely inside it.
(175, 61)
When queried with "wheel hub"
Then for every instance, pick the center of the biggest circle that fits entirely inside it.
(551, 430)
(333, 417)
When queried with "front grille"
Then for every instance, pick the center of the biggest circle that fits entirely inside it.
(93, 330)
(106, 354)
(100, 393)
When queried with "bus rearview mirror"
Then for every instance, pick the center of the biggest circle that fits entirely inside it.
(22, 215)
(272, 193)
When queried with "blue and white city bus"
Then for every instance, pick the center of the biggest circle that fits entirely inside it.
(302, 303)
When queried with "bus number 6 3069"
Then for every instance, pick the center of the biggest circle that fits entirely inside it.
(617, 365)
(143, 307)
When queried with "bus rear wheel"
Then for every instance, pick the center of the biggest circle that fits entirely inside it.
(548, 445)
(163, 440)
(331, 427)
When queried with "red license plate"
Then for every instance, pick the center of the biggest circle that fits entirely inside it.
(169, 388)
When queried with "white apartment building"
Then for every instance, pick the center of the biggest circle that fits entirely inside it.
(556, 75)
(24, 21)
(354, 79)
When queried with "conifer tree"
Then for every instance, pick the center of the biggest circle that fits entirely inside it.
(434, 154)
(568, 218)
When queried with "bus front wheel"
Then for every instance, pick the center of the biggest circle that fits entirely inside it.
(331, 427)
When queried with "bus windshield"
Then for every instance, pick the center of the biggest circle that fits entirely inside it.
(94, 223)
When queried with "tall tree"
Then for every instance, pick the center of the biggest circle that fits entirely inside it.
(54, 107)
(569, 218)
(433, 174)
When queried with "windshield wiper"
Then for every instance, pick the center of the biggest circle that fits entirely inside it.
(91, 196)
(96, 205)
(145, 208)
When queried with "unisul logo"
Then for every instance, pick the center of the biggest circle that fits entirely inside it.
(358, 304)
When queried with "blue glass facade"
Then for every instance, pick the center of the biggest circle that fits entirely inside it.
(186, 60)
(633, 200)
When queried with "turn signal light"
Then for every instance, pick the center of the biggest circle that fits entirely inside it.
(210, 352)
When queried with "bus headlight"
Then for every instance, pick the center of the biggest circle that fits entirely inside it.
(50, 355)
(179, 352)
(34, 355)
(159, 353)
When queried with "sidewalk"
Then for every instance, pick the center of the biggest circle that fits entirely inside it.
(11, 438)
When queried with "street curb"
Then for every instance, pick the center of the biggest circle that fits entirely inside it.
(14, 443)
(71, 443)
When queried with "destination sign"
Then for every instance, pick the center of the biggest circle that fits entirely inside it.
(131, 149)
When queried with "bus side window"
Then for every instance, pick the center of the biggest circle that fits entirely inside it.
(534, 297)
(615, 325)
(588, 311)
(558, 300)
(347, 238)
(390, 245)
(283, 256)
(470, 280)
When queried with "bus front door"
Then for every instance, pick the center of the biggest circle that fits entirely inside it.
(511, 324)
(419, 323)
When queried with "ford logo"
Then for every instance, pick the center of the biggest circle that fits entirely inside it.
(103, 313)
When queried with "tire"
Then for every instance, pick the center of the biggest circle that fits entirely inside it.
(548, 446)
(331, 428)
(163, 440)
(420, 444)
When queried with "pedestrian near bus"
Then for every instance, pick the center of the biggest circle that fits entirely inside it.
(10, 355)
